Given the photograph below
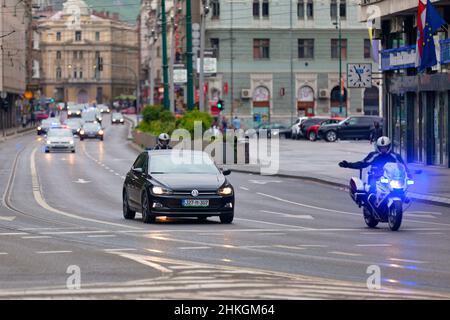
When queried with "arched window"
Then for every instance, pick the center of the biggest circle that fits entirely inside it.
(261, 105)
(338, 110)
(305, 101)
(261, 94)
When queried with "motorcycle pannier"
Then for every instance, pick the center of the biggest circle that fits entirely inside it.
(357, 191)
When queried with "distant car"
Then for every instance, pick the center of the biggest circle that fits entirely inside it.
(130, 110)
(158, 185)
(295, 128)
(103, 108)
(312, 132)
(59, 139)
(74, 110)
(117, 118)
(354, 127)
(74, 125)
(40, 115)
(47, 124)
(91, 115)
(273, 129)
(305, 125)
(91, 130)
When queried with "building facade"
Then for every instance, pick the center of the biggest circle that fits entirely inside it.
(87, 56)
(416, 105)
(14, 20)
(256, 40)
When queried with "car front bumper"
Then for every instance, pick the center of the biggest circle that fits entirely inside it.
(60, 147)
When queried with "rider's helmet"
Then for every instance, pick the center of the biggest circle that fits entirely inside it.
(383, 145)
(163, 140)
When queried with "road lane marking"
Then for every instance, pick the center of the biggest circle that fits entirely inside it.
(271, 234)
(274, 224)
(145, 261)
(72, 232)
(406, 260)
(102, 236)
(430, 233)
(9, 219)
(287, 215)
(244, 188)
(154, 250)
(345, 253)
(307, 206)
(193, 248)
(13, 234)
(264, 182)
(288, 247)
(37, 237)
(39, 198)
(54, 252)
(374, 245)
(120, 250)
(313, 245)
(3, 253)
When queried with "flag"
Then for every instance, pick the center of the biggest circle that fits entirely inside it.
(420, 23)
(426, 48)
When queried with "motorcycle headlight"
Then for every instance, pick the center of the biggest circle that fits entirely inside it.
(39, 128)
(395, 184)
(410, 182)
(100, 132)
(384, 180)
(82, 132)
(225, 191)
(161, 191)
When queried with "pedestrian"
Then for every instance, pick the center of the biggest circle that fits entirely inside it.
(33, 118)
(24, 120)
(376, 132)
(224, 124)
(236, 123)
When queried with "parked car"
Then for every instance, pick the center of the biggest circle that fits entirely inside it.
(295, 128)
(274, 129)
(305, 125)
(40, 115)
(312, 132)
(354, 127)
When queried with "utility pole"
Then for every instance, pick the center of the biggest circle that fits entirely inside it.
(338, 26)
(189, 56)
(231, 58)
(164, 55)
(172, 57)
(291, 58)
(205, 11)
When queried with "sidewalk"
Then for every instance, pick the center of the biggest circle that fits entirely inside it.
(318, 161)
(14, 132)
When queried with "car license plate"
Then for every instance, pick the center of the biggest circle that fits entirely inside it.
(195, 203)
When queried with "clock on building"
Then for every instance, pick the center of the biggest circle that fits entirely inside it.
(359, 75)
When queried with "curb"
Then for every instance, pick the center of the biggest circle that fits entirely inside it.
(19, 133)
(442, 202)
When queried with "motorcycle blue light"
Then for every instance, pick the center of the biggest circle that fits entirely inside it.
(384, 180)
(410, 182)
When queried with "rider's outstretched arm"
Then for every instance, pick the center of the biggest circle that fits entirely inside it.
(366, 162)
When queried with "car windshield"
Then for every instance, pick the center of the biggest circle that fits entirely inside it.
(173, 163)
(59, 133)
(117, 116)
(50, 121)
(91, 127)
(89, 116)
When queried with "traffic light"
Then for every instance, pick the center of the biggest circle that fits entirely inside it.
(220, 105)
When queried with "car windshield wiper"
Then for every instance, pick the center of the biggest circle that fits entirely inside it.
(158, 172)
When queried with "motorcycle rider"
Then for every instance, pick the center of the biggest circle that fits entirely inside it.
(163, 142)
(377, 160)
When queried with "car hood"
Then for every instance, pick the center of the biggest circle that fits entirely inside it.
(58, 140)
(190, 181)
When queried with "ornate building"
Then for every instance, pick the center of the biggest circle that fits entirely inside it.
(87, 56)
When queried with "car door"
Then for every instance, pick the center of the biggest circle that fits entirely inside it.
(133, 179)
(141, 178)
(346, 130)
(366, 126)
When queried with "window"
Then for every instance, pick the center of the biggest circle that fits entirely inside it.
(97, 36)
(215, 8)
(58, 73)
(342, 9)
(261, 48)
(367, 49)
(77, 35)
(75, 74)
(256, 9)
(335, 49)
(265, 9)
(58, 36)
(301, 9)
(81, 73)
(75, 55)
(306, 48)
(58, 55)
(310, 9)
(215, 46)
(333, 9)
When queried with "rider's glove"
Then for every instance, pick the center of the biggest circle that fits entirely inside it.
(343, 164)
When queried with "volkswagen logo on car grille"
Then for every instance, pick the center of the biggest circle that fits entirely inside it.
(194, 193)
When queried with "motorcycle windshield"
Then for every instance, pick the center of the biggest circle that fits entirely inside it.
(395, 172)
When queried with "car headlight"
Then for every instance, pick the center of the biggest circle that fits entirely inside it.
(82, 132)
(99, 119)
(121, 120)
(49, 142)
(225, 191)
(78, 112)
(39, 128)
(71, 142)
(69, 113)
(161, 191)
(78, 130)
(100, 132)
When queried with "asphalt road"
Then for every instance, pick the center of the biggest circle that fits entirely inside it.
(290, 238)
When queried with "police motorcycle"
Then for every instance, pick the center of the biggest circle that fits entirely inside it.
(384, 196)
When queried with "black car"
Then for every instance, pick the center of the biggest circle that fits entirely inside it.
(354, 127)
(273, 129)
(160, 184)
(91, 130)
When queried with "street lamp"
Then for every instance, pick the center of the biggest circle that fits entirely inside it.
(338, 27)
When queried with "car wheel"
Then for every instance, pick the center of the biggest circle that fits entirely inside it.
(73, 151)
(81, 139)
(127, 212)
(331, 136)
(312, 136)
(147, 216)
(101, 139)
(47, 151)
(227, 218)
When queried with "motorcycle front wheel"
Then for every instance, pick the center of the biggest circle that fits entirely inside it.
(369, 219)
(395, 216)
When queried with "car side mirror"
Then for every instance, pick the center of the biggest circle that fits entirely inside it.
(138, 170)
(226, 172)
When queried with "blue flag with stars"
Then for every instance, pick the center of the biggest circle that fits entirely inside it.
(433, 21)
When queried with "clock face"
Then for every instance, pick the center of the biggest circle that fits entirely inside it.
(359, 75)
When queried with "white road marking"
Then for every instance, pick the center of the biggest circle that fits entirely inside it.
(39, 198)
(429, 216)
(53, 252)
(123, 177)
(120, 250)
(244, 188)
(13, 234)
(287, 215)
(194, 248)
(406, 260)
(308, 206)
(274, 224)
(430, 233)
(82, 181)
(72, 232)
(37, 237)
(374, 245)
(313, 245)
(289, 247)
(263, 182)
(112, 171)
(154, 250)
(145, 261)
(117, 174)
(271, 234)
(9, 219)
(345, 253)
(102, 236)
(3, 253)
